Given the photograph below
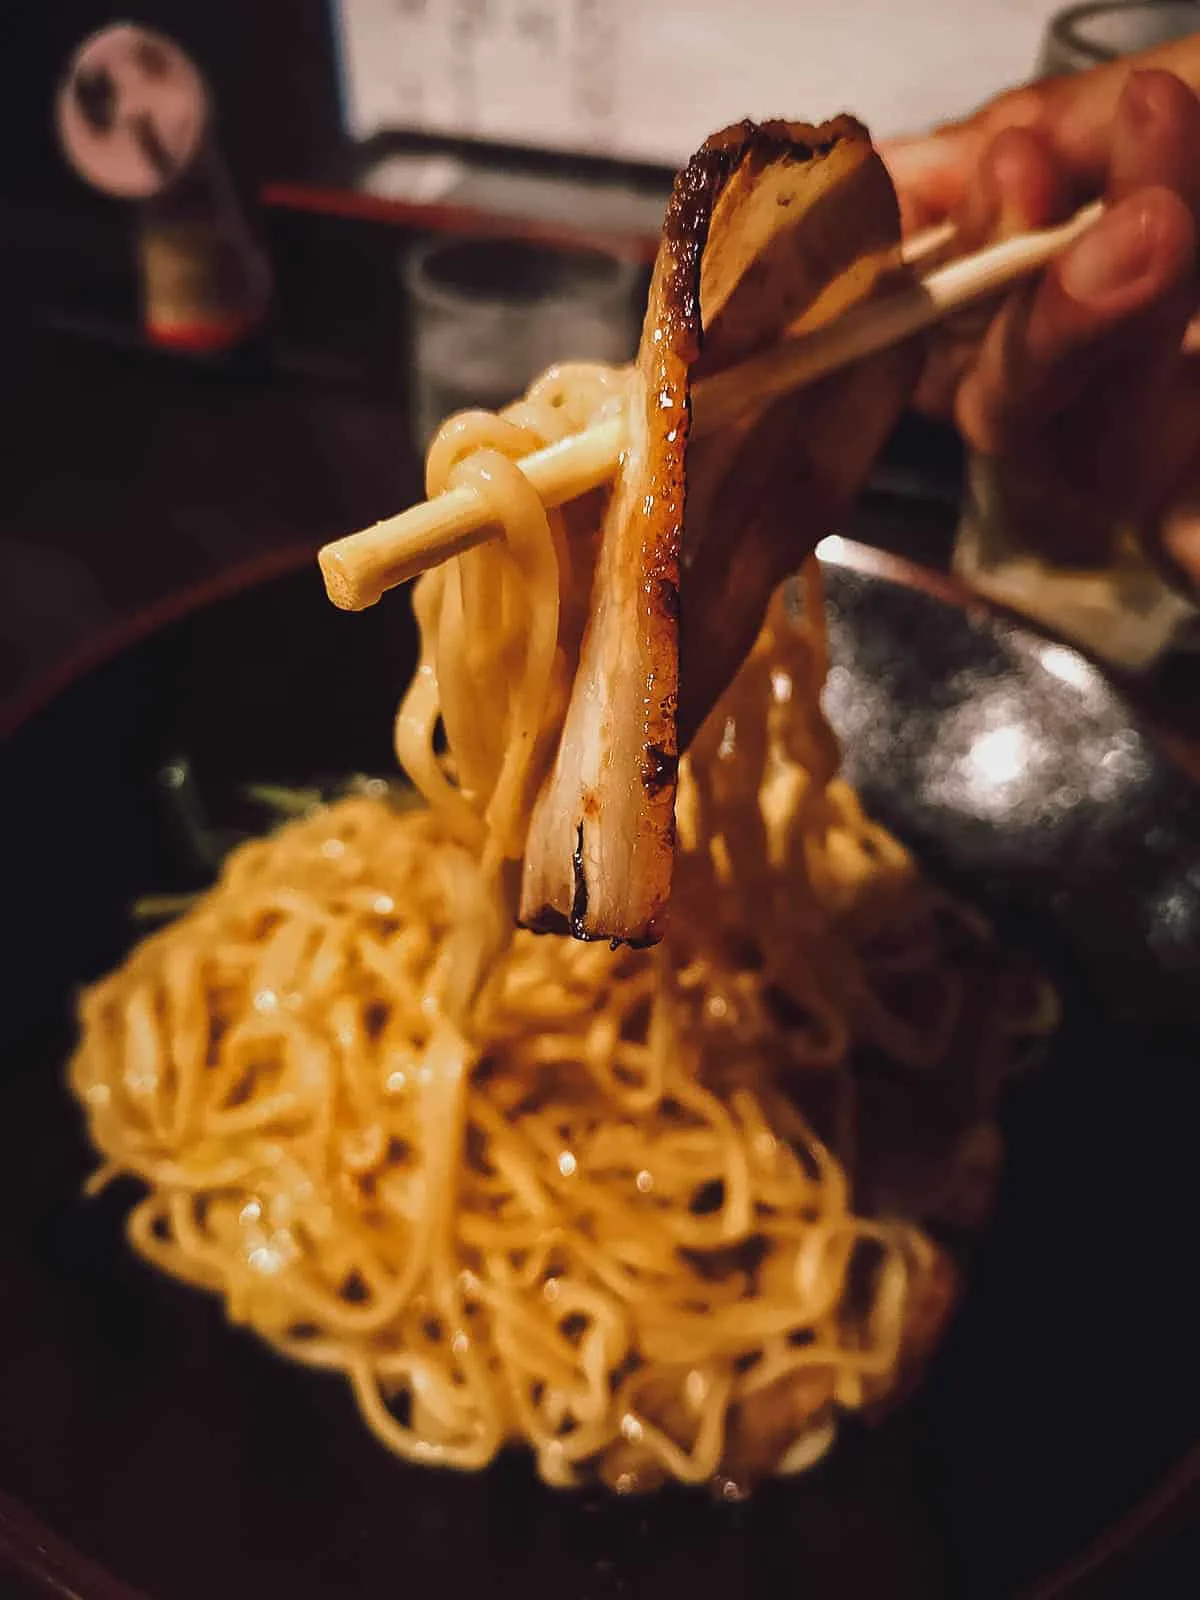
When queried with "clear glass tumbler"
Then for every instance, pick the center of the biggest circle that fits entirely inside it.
(490, 314)
(1086, 35)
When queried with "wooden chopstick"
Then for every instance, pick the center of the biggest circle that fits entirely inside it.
(361, 567)
(876, 324)
(921, 247)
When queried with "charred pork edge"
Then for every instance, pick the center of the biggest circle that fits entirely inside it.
(694, 195)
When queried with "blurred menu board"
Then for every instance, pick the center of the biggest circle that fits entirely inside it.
(648, 79)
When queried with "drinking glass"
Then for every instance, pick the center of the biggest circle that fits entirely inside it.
(490, 314)
(1087, 35)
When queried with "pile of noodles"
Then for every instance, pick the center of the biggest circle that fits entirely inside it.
(652, 1213)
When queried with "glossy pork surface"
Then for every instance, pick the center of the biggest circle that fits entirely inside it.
(770, 230)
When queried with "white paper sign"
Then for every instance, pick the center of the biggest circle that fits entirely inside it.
(648, 79)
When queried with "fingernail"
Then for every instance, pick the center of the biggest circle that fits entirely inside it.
(978, 214)
(1110, 257)
(1009, 170)
(1143, 99)
(1181, 539)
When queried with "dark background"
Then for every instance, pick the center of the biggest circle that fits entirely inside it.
(270, 63)
(127, 472)
(271, 67)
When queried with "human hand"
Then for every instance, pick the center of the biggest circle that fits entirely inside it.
(1079, 378)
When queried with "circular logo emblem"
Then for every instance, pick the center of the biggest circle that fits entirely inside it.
(132, 110)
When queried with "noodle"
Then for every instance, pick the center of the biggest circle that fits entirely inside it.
(606, 1202)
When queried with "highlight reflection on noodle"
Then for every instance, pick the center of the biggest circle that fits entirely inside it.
(608, 1203)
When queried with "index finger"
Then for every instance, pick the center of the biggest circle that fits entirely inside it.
(1074, 116)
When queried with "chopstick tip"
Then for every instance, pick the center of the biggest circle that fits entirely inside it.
(340, 586)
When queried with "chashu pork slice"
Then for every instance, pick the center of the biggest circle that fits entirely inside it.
(601, 839)
(793, 244)
(769, 229)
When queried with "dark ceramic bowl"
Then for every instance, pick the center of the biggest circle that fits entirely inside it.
(146, 1446)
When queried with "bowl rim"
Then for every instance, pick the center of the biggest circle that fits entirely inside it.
(21, 705)
(27, 700)
(49, 1559)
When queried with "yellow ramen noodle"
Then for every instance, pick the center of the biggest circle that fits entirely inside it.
(603, 1203)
